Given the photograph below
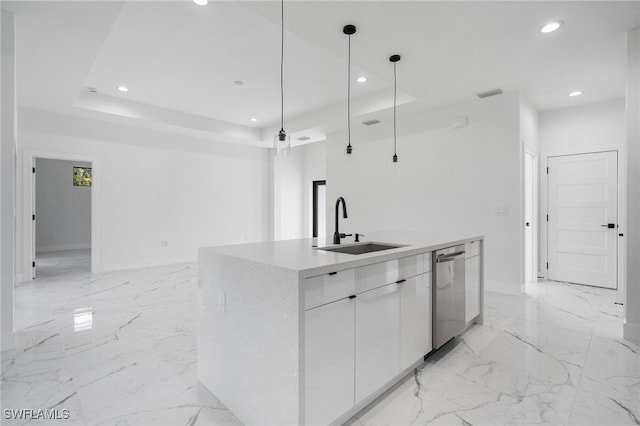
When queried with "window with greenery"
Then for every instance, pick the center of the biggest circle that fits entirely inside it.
(82, 176)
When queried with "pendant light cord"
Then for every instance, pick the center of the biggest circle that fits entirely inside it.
(349, 94)
(282, 65)
(395, 89)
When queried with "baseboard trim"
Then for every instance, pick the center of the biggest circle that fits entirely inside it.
(631, 332)
(8, 341)
(62, 247)
(503, 287)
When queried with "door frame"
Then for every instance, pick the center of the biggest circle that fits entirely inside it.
(314, 206)
(534, 220)
(622, 208)
(28, 249)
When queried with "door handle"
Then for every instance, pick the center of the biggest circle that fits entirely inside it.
(526, 224)
(609, 225)
(449, 257)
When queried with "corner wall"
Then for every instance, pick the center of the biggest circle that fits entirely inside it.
(448, 179)
(632, 305)
(7, 170)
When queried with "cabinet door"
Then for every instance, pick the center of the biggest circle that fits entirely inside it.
(415, 319)
(472, 286)
(329, 361)
(377, 339)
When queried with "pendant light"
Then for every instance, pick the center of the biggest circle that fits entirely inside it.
(282, 141)
(394, 59)
(349, 30)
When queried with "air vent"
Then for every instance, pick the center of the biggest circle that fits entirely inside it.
(493, 92)
(91, 89)
(370, 122)
(303, 138)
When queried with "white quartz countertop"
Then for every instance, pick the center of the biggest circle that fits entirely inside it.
(301, 255)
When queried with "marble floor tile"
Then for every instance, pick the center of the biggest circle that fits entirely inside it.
(119, 348)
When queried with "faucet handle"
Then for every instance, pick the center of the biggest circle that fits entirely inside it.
(345, 235)
(357, 240)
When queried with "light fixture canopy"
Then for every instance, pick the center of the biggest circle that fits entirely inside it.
(349, 30)
(282, 141)
(394, 60)
(551, 27)
(576, 93)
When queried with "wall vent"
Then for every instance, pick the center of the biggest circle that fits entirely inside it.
(303, 138)
(370, 122)
(486, 94)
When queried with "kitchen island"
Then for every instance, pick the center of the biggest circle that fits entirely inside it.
(292, 334)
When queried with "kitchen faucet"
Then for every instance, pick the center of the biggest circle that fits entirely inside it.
(337, 235)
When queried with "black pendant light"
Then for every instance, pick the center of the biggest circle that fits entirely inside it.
(394, 59)
(349, 30)
(282, 141)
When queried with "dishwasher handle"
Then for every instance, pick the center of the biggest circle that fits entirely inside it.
(449, 257)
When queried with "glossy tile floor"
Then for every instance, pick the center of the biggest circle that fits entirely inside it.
(120, 349)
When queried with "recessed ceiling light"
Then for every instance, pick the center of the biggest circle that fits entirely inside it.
(253, 119)
(201, 2)
(576, 93)
(362, 79)
(551, 27)
(123, 88)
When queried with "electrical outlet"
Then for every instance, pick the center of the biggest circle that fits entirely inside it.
(222, 301)
(164, 243)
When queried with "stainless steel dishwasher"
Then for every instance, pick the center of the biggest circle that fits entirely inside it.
(448, 294)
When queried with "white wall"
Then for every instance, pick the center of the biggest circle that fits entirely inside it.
(588, 128)
(632, 305)
(63, 211)
(293, 178)
(7, 170)
(153, 186)
(449, 179)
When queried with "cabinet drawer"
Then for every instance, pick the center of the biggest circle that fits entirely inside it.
(326, 288)
(376, 275)
(472, 249)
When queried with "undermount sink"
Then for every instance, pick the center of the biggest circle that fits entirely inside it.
(361, 248)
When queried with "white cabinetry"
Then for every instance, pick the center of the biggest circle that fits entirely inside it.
(363, 328)
(472, 280)
(415, 319)
(377, 338)
(329, 361)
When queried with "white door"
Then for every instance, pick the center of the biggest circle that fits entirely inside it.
(530, 272)
(583, 218)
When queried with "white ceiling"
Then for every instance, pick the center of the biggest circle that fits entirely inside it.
(181, 59)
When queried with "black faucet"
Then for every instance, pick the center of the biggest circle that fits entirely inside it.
(337, 235)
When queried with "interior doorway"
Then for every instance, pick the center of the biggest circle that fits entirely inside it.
(582, 208)
(61, 216)
(531, 222)
(319, 209)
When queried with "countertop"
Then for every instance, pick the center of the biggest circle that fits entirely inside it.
(301, 255)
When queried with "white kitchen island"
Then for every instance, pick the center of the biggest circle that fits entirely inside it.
(289, 334)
